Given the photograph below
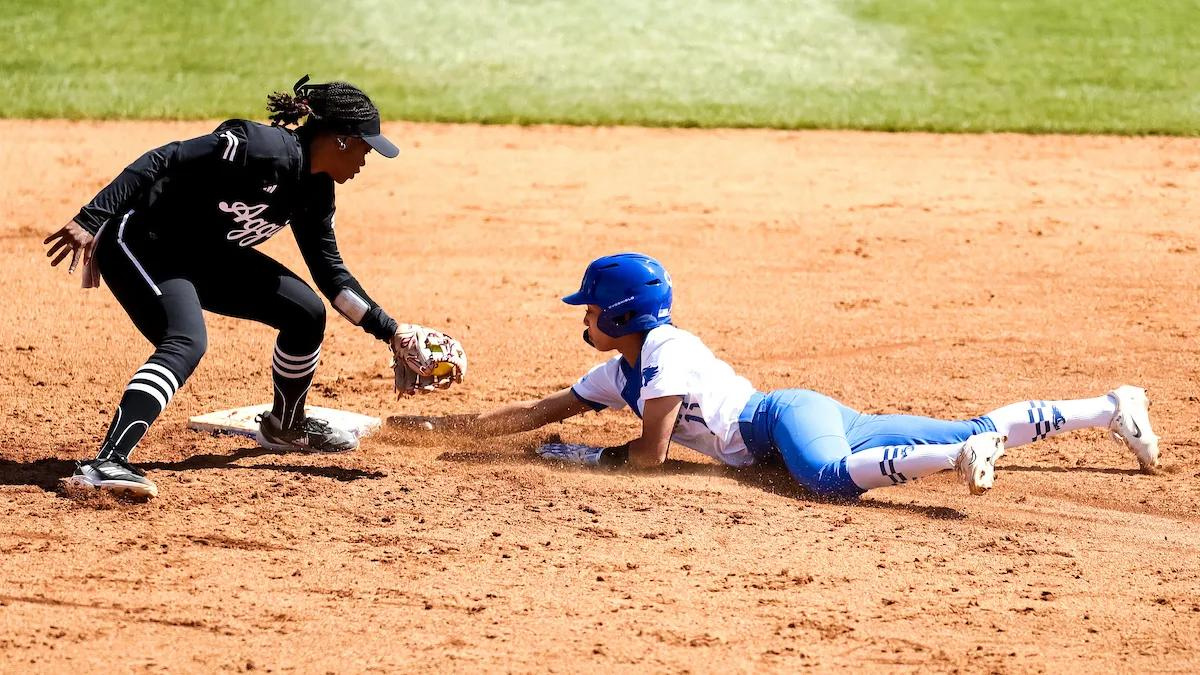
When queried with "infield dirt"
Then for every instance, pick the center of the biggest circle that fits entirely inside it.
(933, 275)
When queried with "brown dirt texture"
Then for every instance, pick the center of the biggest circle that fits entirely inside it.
(926, 274)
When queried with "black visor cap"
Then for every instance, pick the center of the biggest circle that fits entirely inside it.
(368, 130)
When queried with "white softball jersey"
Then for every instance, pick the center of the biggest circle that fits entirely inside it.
(673, 362)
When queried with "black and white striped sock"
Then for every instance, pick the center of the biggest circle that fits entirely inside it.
(147, 394)
(292, 375)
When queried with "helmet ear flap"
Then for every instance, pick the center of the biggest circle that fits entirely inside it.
(622, 319)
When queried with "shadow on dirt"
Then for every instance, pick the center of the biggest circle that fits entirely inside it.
(43, 473)
(46, 473)
(772, 479)
(489, 457)
(1072, 469)
(777, 480)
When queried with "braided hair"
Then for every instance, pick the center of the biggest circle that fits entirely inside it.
(324, 105)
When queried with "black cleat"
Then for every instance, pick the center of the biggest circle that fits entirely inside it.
(309, 435)
(115, 476)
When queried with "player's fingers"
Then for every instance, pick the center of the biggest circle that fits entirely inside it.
(57, 245)
(74, 260)
(56, 235)
(88, 250)
(61, 257)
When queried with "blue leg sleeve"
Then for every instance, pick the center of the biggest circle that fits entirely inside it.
(874, 431)
(808, 429)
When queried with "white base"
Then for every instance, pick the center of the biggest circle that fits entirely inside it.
(240, 421)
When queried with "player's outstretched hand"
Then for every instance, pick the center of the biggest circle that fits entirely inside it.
(71, 239)
(431, 423)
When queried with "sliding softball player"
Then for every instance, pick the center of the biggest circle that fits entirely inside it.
(174, 234)
(684, 393)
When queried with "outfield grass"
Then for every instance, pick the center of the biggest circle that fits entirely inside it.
(959, 65)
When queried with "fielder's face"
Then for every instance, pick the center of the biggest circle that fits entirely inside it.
(598, 338)
(342, 157)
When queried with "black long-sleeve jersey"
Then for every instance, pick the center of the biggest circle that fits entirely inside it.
(238, 186)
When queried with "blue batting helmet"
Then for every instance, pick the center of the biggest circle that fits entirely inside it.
(632, 290)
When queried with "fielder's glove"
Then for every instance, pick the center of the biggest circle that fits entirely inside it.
(424, 359)
(586, 455)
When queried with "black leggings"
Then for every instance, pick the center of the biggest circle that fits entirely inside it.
(164, 287)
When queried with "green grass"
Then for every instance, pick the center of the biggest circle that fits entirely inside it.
(1102, 65)
(959, 65)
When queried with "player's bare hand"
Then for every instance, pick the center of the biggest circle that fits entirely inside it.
(430, 423)
(71, 240)
(411, 422)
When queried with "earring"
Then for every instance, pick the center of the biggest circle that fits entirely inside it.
(341, 143)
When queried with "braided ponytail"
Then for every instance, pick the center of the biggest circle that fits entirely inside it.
(286, 109)
(332, 104)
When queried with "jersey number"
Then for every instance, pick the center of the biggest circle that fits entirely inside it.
(685, 417)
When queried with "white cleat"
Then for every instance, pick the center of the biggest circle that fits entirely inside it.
(1131, 425)
(114, 475)
(976, 463)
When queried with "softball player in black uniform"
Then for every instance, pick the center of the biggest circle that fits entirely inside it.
(175, 233)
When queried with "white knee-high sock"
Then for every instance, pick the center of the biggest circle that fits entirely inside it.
(1030, 421)
(895, 464)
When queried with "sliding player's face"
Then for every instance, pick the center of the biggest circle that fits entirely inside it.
(593, 335)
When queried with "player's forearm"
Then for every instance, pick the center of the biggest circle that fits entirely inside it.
(658, 419)
(646, 454)
(353, 303)
(116, 197)
(119, 196)
(510, 419)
